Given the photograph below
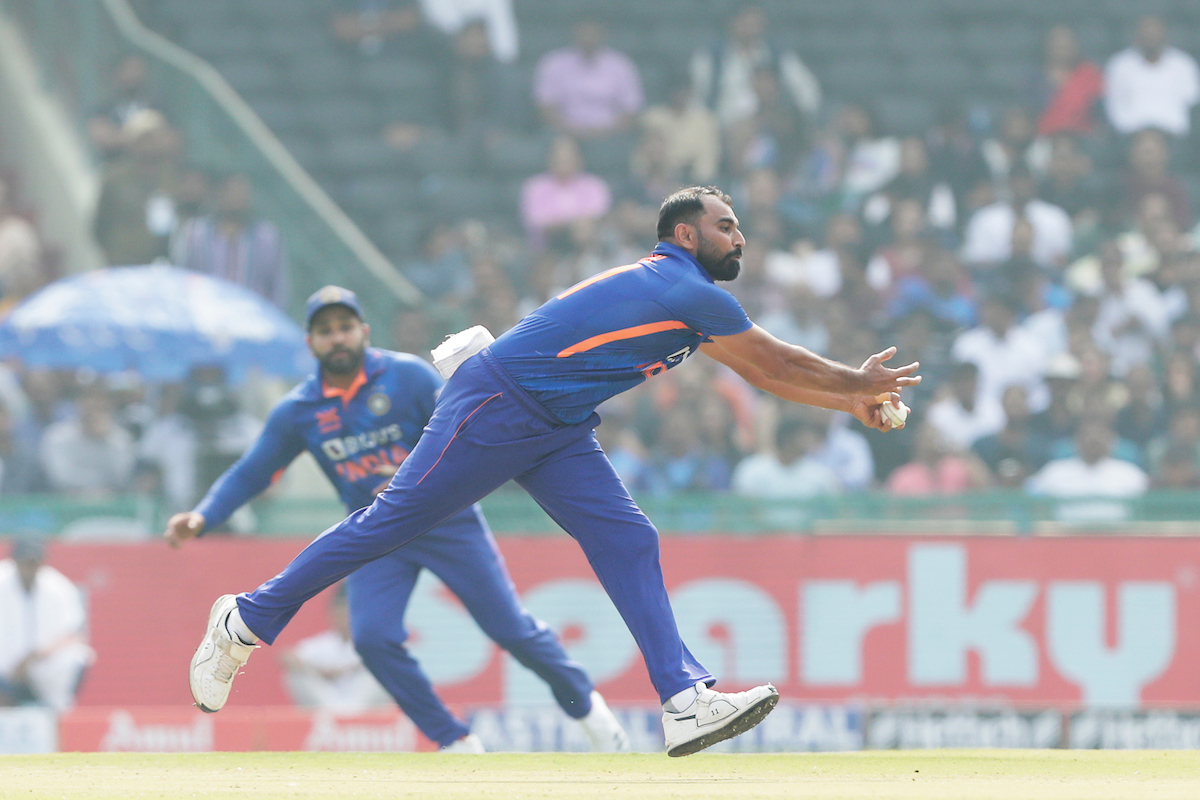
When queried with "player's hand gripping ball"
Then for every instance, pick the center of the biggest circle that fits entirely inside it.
(895, 412)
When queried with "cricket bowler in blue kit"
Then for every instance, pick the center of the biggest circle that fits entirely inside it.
(360, 416)
(523, 409)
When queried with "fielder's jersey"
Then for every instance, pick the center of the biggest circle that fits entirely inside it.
(377, 422)
(610, 332)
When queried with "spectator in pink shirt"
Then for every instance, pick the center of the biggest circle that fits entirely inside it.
(937, 468)
(555, 203)
(588, 89)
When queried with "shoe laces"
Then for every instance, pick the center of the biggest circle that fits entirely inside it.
(227, 663)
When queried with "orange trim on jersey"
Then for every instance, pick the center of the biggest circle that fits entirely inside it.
(608, 274)
(624, 333)
(347, 394)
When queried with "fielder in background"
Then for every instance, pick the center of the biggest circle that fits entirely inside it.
(523, 409)
(360, 416)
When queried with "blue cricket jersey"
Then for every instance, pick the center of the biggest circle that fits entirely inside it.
(377, 423)
(610, 332)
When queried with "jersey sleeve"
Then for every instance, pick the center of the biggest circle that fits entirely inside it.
(418, 384)
(707, 308)
(276, 447)
(428, 385)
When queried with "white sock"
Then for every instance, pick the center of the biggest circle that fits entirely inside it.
(681, 700)
(237, 629)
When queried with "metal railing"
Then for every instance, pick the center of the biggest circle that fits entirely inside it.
(511, 511)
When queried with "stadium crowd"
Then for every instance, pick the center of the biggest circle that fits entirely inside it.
(1042, 261)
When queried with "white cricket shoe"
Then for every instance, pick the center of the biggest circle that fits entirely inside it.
(716, 716)
(217, 659)
(467, 744)
(602, 728)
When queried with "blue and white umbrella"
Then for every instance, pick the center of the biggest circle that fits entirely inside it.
(157, 321)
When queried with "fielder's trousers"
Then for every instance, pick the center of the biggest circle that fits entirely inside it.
(485, 431)
(463, 554)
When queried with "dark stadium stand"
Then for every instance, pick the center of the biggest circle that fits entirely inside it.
(906, 61)
(329, 104)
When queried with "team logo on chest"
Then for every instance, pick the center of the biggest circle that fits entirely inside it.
(379, 404)
(328, 420)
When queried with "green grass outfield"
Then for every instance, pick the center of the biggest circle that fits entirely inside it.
(874, 775)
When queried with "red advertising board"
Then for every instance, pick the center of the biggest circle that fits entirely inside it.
(1085, 620)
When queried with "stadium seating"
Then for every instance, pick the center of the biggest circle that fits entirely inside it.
(290, 39)
(906, 114)
(330, 103)
(253, 75)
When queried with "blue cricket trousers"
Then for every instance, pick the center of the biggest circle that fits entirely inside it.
(463, 554)
(485, 431)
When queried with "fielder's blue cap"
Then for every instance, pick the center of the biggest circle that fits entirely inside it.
(328, 296)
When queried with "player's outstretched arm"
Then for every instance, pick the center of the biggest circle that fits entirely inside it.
(867, 410)
(183, 526)
(801, 376)
(786, 365)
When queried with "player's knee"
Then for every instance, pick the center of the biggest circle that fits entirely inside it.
(519, 633)
(642, 543)
(374, 634)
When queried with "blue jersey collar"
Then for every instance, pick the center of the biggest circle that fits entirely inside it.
(674, 250)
